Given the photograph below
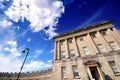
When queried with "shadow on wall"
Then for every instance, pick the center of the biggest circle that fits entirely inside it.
(108, 77)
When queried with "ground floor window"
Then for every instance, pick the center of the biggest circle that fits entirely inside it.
(75, 71)
(114, 67)
(63, 72)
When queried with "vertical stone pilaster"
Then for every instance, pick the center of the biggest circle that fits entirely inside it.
(100, 73)
(104, 42)
(77, 54)
(55, 50)
(89, 73)
(67, 49)
(91, 42)
(58, 50)
(117, 40)
(82, 70)
(116, 32)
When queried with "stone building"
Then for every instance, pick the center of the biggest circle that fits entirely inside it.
(89, 53)
(39, 75)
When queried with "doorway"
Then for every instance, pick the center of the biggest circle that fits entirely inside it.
(94, 73)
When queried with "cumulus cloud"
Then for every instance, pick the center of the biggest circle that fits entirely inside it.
(35, 65)
(10, 60)
(4, 23)
(8, 47)
(37, 53)
(43, 15)
(40, 14)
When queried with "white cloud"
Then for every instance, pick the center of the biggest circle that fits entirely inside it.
(8, 47)
(35, 65)
(40, 13)
(29, 39)
(51, 51)
(4, 23)
(37, 53)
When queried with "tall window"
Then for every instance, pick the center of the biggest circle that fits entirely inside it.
(62, 42)
(100, 47)
(63, 55)
(114, 45)
(70, 40)
(86, 51)
(103, 32)
(81, 39)
(93, 35)
(72, 53)
(63, 72)
(115, 69)
(75, 71)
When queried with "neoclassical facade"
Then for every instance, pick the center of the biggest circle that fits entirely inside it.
(88, 53)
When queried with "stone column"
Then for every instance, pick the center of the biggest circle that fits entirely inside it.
(117, 40)
(104, 42)
(100, 73)
(116, 32)
(91, 42)
(89, 73)
(77, 54)
(67, 49)
(58, 50)
(55, 50)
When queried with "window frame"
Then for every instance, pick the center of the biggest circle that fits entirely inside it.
(70, 40)
(114, 67)
(63, 56)
(75, 71)
(114, 45)
(62, 42)
(72, 52)
(81, 38)
(93, 35)
(103, 32)
(86, 50)
(101, 48)
(63, 72)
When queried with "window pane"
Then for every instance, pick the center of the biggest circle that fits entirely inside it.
(103, 32)
(75, 71)
(72, 53)
(63, 55)
(114, 45)
(62, 42)
(100, 47)
(93, 35)
(63, 72)
(81, 38)
(86, 51)
(114, 67)
(69, 40)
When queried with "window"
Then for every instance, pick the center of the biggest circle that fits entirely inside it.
(81, 38)
(114, 45)
(69, 40)
(72, 53)
(62, 42)
(113, 66)
(103, 32)
(63, 55)
(75, 71)
(86, 51)
(63, 72)
(100, 47)
(93, 35)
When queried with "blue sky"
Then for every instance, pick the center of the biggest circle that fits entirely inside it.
(33, 23)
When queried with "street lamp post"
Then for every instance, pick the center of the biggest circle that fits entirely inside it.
(26, 50)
